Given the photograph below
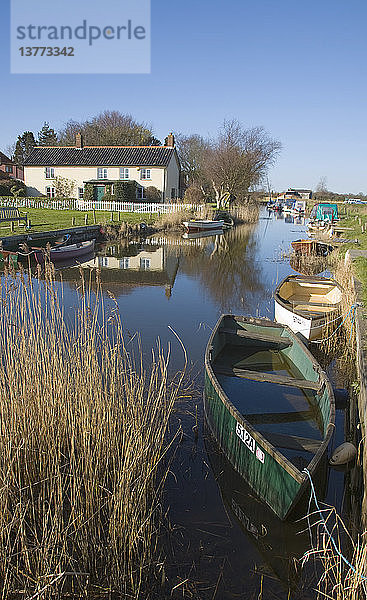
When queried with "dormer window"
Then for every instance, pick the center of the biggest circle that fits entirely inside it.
(49, 172)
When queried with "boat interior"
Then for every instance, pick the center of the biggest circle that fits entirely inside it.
(281, 401)
(305, 295)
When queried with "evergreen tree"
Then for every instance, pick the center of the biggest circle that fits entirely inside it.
(47, 136)
(24, 146)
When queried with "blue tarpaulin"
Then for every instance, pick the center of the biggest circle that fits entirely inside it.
(324, 212)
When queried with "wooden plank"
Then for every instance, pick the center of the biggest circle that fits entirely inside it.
(265, 377)
(292, 442)
(280, 417)
(260, 337)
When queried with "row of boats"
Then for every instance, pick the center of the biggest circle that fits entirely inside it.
(267, 401)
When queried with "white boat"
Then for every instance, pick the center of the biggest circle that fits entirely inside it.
(308, 305)
(195, 225)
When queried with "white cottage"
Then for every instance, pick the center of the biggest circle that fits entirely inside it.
(148, 166)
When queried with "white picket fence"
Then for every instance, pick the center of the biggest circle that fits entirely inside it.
(135, 207)
(101, 205)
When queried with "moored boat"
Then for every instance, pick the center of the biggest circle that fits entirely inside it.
(61, 253)
(8, 258)
(311, 247)
(269, 405)
(195, 225)
(308, 305)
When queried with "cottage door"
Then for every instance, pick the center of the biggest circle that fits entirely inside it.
(99, 192)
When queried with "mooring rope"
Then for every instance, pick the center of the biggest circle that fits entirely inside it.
(335, 546)
(351, 312)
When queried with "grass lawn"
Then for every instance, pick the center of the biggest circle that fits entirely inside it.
(43, 219)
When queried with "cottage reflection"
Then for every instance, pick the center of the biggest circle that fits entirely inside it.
(134, 265)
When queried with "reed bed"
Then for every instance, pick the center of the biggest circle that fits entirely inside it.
(341, 560)
(83, 435)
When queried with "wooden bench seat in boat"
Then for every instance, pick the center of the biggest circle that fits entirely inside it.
(292, 442)
(266, 377)
(279, 417)
(257, 337)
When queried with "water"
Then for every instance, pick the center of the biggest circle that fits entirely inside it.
(223, 542)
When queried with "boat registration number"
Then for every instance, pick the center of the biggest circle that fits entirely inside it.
(247, 439)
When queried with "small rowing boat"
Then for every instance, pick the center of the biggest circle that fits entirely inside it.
(311, 247)
(63, 253)
(308, 305)
(195, 225)
(270, 407)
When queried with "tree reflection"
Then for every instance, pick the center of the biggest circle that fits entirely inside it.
(227, 267)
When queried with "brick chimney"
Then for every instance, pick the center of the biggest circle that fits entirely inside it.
(78, 140)
(170, 140)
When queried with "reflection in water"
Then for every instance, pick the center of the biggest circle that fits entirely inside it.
(225, 265)
(279, 543)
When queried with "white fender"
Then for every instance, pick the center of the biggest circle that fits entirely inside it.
(343, 454)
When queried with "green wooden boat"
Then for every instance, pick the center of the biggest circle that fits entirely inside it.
(269, 405)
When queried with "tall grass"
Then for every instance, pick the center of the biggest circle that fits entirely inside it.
(83, 430)
(342, 561)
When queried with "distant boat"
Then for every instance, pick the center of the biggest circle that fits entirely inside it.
(63, 253)
(311, 247)
(270, 407)
(308, 305)
(195, 225)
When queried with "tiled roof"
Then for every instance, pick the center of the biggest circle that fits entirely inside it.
(5, 160)
(100, 156)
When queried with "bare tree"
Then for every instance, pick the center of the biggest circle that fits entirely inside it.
(191, 151)
(321, 188)
(238, 160)
(109, 128)
(10, 149)
(64, 188)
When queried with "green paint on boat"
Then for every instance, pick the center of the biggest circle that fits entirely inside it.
(254, 367)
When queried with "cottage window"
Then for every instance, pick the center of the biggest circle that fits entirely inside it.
(173, 193)
(80, 193)
(50, 192)
(8, 169)
(145, 264)
(124, 173)
(140, 193)
(145, 174)
(101, 173)
(49, 172)
(124, 263)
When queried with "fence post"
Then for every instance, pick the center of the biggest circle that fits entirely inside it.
(94, 216)
(111, 219)
(86, 219)
(72, 221)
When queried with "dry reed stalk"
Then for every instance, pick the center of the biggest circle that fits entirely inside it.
(83, 430)
(342, 577)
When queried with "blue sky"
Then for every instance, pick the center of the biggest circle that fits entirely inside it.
(296, 68)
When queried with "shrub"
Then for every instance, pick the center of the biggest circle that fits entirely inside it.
(153, 194)
(6, 186)
(125, 191)
(88, 192)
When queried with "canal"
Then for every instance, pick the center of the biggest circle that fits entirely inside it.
(221, 541)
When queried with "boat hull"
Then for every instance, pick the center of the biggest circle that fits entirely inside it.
(195, 226)
(268, 472)
(309, 314)
(65, 253)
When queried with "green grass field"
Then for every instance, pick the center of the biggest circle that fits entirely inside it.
(43, 219)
